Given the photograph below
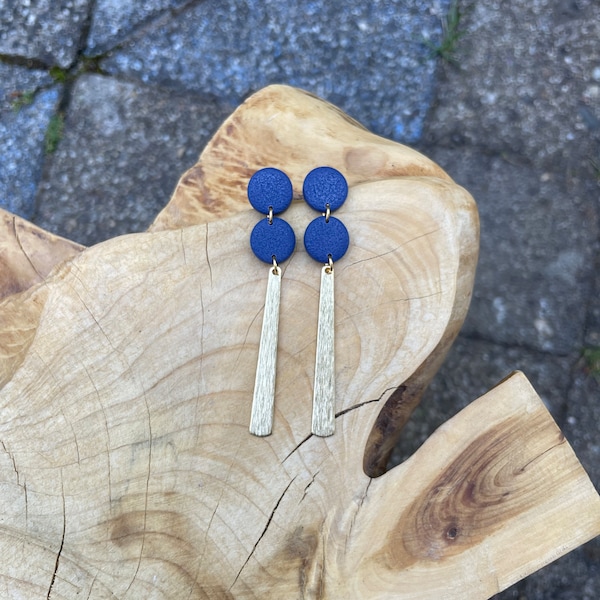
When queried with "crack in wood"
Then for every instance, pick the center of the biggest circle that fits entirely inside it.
(308, 485)
(105, 419)
(322, 565)
(536, 458)
(182, 242)
(147, 492)
(359, 506)
(351, 408)
(16, 234)
(12, 459)
(395, 249)
(340, 414)
(62, 540)
(62, 412)
(207, 258)
(263, 533)
(26, 505)
(297, 446)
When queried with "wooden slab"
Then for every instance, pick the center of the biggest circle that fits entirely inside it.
(126, 466)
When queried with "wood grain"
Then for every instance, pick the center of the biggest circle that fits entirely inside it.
(28, 253)
(295, 131)
(132, 402)
(500, 494)
(126, 466)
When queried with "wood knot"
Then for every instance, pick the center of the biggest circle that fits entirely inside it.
(452, 532)
(498, 476)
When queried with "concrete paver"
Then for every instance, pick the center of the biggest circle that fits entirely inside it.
(124, 148)
(537, 253)
(535, 73)
(114, 20)
(370, 59)
(46, 31)
(28, 101)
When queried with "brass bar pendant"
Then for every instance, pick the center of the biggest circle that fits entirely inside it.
(261, 420)
(323, 416)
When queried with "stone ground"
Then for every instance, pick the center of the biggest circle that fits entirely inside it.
(103, 103)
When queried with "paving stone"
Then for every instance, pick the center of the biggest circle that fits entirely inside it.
(125, 147)
(516, 138)
(43, 30)
(529, 76)
(370, 59)
(582, 431)
(578, 577)
(28, 100)
(538, 246)
(583, 417)
(592, 325)
(114, 20)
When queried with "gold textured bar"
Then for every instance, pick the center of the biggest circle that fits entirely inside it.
(323, 416)
(261, 420)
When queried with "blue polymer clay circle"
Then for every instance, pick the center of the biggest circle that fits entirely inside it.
(270, 188)
(326, 238)
(325, 185)
(275, 239)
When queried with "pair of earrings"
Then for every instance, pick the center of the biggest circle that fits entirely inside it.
(272, 240)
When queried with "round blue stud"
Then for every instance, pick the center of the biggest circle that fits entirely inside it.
(323, 239)
(270, 188)
(275, 239)
(325, 185)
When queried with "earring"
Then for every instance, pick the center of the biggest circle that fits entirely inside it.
(326, 240)
(272, 240)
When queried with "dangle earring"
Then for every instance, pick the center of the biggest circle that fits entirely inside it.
(272, 240)
(326, 240)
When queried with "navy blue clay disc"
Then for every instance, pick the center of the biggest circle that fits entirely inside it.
(325, 185)
(270, 188)
(323, 239)
(272, 240)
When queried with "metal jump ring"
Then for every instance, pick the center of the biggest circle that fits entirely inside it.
(329, 265)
